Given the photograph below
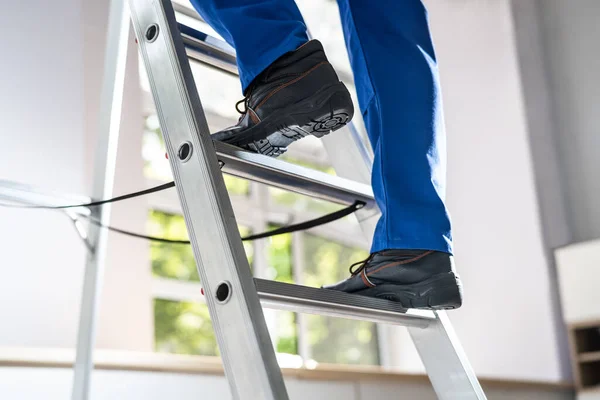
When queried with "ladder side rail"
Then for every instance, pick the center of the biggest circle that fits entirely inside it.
(238, 320)
(446, 363)
(292, 177)
(102, 185)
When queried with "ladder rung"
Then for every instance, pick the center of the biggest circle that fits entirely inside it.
(209, 50)
(285, 296)
(292, 177)
(206, 49)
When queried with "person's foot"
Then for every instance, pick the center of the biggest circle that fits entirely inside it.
(414, 278)
(297, 95)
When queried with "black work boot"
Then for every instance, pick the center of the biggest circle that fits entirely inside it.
(414, 278)
(297, 95)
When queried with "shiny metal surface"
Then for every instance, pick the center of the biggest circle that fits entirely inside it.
(205, 49)
(446, 363)
(246, 349)
(292, 177)
(109, 120)
(304, 299)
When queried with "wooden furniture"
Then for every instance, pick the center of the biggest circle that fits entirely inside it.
(585, 351)
(579, 280)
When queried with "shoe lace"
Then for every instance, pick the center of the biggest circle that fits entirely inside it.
(244, 101)
(360, 265)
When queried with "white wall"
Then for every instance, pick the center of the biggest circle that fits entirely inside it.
(41, 81)
(126, 319)
(50, 101)
(571, 33)
(506, 326)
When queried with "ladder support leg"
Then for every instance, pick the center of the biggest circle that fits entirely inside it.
(447, 365)
(104, 170)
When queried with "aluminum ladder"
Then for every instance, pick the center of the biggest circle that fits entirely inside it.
(233, 296)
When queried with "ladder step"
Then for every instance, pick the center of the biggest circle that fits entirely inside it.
(288, 297)
(206, 49)
(292, 177)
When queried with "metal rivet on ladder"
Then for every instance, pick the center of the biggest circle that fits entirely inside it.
(152, 33)
(185, 151)
(223, 293)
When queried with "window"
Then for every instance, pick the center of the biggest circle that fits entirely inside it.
(176, 261)
(321, 256)
(182, 322)
(184, 328)
(336, 340)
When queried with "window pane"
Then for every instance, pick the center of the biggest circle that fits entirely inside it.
(282, 324)
(183, 328)
(171, 260)
(335, 340)
(176, 261)
(286, 334)
(279, 257)
(301, 202)
(238, 186)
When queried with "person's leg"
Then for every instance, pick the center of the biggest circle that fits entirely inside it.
(261, 31)
(398, 88)
(290, 88)
(396, 76)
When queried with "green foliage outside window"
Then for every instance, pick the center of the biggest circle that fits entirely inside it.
(183, 328)
(335, 340)
(180, 327)
(169, 260)
(176, 261)
(286, 332)
(299, 201)
(279, 259)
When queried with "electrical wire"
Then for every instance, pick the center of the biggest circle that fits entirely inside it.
(279, 231)
(301, 226)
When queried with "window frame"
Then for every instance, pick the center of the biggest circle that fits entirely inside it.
(256, 211)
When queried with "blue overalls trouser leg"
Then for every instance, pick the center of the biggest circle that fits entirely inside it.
(397, 81)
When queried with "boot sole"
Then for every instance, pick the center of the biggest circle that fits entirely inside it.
(326, 111)
(440, 292)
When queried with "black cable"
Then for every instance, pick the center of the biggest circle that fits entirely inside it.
(302, 226)
(99, 202)
(279, 231)
(133, 234)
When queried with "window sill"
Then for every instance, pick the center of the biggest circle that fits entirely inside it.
(161, 362)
